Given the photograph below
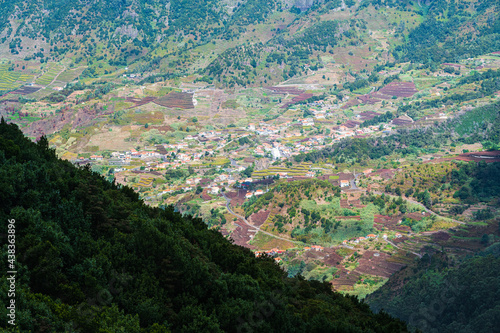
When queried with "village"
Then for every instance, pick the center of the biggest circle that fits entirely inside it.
(231, 151)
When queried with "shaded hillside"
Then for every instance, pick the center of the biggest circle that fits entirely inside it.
(435, 297)
(91, 257)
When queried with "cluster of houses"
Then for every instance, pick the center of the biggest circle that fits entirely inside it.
(357, 240)
(314, 248)
(280, 142)
(272, 252)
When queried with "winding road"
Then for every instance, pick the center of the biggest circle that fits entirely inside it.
(252, 226)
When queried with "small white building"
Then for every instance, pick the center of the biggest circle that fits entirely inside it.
(344, 183)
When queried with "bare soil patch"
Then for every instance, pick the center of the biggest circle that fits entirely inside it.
(399, 89)
(259, 218)
(377, 263)
(112, 140)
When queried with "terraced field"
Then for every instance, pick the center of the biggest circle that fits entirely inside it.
(299, 170)
(11, 79)
(144, 182)
(51, 72)
(70, 74)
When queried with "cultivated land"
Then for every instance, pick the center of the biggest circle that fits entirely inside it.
(231, 132)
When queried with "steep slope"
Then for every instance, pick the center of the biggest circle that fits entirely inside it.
(453, 30)
(91, 257)
(437, 297)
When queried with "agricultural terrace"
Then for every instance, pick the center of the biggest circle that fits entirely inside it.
(299, 170)
(51, 71)
(10, 80)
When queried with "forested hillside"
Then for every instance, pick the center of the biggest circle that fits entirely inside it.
(454, 30)
(250, 36)
(437, 297)
(91, 257)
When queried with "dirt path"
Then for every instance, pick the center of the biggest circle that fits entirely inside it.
(55, 77)
(397, 247)
(254, 227)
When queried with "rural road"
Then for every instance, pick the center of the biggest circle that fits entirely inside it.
(252, 226)
(419, 204)
(397, 247)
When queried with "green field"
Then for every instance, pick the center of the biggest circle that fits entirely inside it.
(51, 72)
(10, 80)
(299, 170)
(425, 82)
(70, 74)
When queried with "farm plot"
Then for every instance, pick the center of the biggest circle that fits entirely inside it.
(176, 100)
(377, 263)
(297, 99)
(140, 101)
(70, 74)
(259, 218)
(299, 170)
(11, 80)
(425, 82)
(144, 182)
(52, 71)
(25, 90)
(398, 89)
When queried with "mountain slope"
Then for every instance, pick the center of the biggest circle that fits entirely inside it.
(91, 257)
(436, 297)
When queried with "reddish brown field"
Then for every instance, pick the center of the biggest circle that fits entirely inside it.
(241, 235)
(258, 219)
(367, 115)
(300, 98)
(441, 236)
(486, 156)
(139, 101)
(399, 89)
(25, 90)
(367, 99)
(351, 124)
(379, 265)
(351, 102)
(205, 196)
(176, 100)
(331, 257)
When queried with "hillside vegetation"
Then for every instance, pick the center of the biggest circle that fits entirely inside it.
(235, 43)
(92, 257)
(436, 296)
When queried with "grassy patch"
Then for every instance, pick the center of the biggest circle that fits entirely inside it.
(366, 285)
(321, 273)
